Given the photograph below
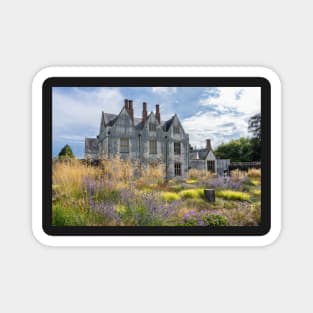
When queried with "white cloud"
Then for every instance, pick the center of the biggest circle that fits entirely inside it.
(243, 99)
(219, 129)
(82, 108)
(72, 138)
(164, 90)
(227, 117)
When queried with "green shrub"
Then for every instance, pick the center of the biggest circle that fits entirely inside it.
(170, 196)
(255, 182)
(191, 181)
(256, 192)
(216, 220)
(203, 218)
(233, 195)
(64, 216)
(192, 193)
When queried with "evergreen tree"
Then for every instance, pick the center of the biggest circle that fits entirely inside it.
(66, 152)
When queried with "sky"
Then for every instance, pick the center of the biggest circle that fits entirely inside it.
(217, 113)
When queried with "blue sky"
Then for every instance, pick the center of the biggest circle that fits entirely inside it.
(220, 114)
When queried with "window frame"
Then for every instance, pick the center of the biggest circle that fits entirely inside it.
(212, 166)
(175, 148)
(155, 146)
(122, 145)
(177, 169)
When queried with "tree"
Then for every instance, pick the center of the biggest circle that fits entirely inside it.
(66, 152)
(254, 127)
(244, 149)
(239, 150)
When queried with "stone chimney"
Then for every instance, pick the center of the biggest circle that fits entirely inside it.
(157, 113)
(131, 109)
(144, 112)
(208, 144)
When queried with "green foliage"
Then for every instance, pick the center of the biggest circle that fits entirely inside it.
(203, 218)
(192, 193)
(239, 150)
(65, 216)
(66, 152)
(170, 196)
(256, 192)
(254, 126)
(233, 195)
(191, 181)
(244, 149)
(216, 220)
(83, 195)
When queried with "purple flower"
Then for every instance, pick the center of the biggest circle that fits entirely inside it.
(106, 209)
(201, 223)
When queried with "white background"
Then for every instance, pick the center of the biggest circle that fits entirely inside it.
(36, 34)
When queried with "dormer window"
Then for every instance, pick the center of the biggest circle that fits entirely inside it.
(176, 130)
(152, 127)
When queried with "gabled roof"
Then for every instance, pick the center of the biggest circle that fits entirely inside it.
(167, 124)
(201, 153)
(109, 120)
(108, 117)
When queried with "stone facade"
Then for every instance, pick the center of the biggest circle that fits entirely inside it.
(147, 140)
(205, 159)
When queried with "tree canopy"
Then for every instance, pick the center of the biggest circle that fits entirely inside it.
(238, 150)
(66, 152)
(254, 126)
(243, 149)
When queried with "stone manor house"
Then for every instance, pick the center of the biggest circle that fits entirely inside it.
(149, 140)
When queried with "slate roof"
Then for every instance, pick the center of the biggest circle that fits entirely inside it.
(167, 124)
(202, 153)
(110, 119)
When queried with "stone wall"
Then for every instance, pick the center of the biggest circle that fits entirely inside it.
(139, 138)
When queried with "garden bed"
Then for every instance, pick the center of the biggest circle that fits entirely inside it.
(111, 195)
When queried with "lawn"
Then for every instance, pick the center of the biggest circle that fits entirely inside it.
(115, 193)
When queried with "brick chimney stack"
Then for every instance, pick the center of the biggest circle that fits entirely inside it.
(157, 113)
(131, 109)
(126, 104)
(144, 112)
(208, 144)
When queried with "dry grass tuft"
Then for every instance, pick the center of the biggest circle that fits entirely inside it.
(200, 176)
(254, 173)
(69, 175)
(117, 170)
(238, 175)
(152, 174)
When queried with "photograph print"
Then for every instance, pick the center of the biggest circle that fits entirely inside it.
(156, 156)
